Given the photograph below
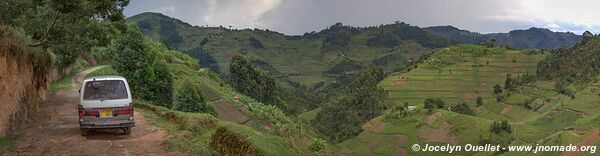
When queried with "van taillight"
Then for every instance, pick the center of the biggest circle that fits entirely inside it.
(124, 110)
(81, 111)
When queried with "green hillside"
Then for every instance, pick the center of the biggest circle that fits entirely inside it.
(240, 123)
(531, 38)
(306, 58)
(537, 112)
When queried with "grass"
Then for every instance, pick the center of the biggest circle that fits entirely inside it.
(62, 83)
(8, 143)
(104, 71)
(192, 132)
(181, 140)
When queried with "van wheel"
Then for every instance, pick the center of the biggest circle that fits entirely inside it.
(127, 130)
(84, 132)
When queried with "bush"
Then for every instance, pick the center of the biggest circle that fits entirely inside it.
(190, 99)
(432, 104)
(317, 146)
(148, 79)
(463, 108)
(273, 114)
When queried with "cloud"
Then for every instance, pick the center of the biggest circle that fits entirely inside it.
(166, 9)
(300, 16)
(240, 13)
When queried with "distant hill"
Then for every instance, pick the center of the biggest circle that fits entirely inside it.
(579, 63)
(302, 58)
(525, 39)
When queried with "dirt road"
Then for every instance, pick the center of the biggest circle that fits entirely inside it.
(55, 131)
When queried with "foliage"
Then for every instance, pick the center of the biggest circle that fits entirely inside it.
(255, 43)
(524, 39)
(8, 143)
(317, 146)
(190, 99)
(69, 28)
(463, 108)
(479, 101)
(400, 115)
(337, 37)
(497, 89)
(393, 34)
(577, 64)
(432, 104)
(499, 127)
(168, 32)
(345, 67)
(509, 83)
(343, 117)
(251, 82)
(205, 60)
(149, 79)
(273, 114)
(107, 70)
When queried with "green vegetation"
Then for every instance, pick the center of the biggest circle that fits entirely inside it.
(190, 99)
(149, 78)
(572, 64)
(8, 143)
(62, 83)
(537, 38)
(205, 60)
(304, 58)
(317, 146)
(342, 119)
(253, 83)
(463, 108)
(106, 70)
(67, 29)
(273, 114)
(432, 104)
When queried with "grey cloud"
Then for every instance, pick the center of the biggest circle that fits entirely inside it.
(300, 16)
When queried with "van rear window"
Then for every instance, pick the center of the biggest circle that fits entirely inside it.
(105, 90)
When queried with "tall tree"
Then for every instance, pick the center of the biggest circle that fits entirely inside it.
(72, 27)
(245, 79)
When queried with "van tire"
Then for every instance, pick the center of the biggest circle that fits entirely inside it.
(127, 130)
(84, 132)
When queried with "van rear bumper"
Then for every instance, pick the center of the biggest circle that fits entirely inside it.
(93, 125)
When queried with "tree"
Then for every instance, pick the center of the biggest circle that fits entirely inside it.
(497, 89)
(190, 99)
(505, 126)
(432, 104)
(245, 79)
(479, 101)
(508, 83)
(362, 100)
(491, 43)
(161, 85)
(317, 146)
(70, 28)
(463, 108)
(133, 60)
(148, 78)
(587, 35)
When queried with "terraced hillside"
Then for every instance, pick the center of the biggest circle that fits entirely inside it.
(459, 73)
(537, 113)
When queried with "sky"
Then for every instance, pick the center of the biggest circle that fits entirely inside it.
(296, 17)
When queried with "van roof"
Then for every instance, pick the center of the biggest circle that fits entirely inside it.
(105, 78)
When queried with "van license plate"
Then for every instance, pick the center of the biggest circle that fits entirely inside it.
(106, 113)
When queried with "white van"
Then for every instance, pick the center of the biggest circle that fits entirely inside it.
(105, 102)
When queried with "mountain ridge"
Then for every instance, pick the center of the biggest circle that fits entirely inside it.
(538, 38)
